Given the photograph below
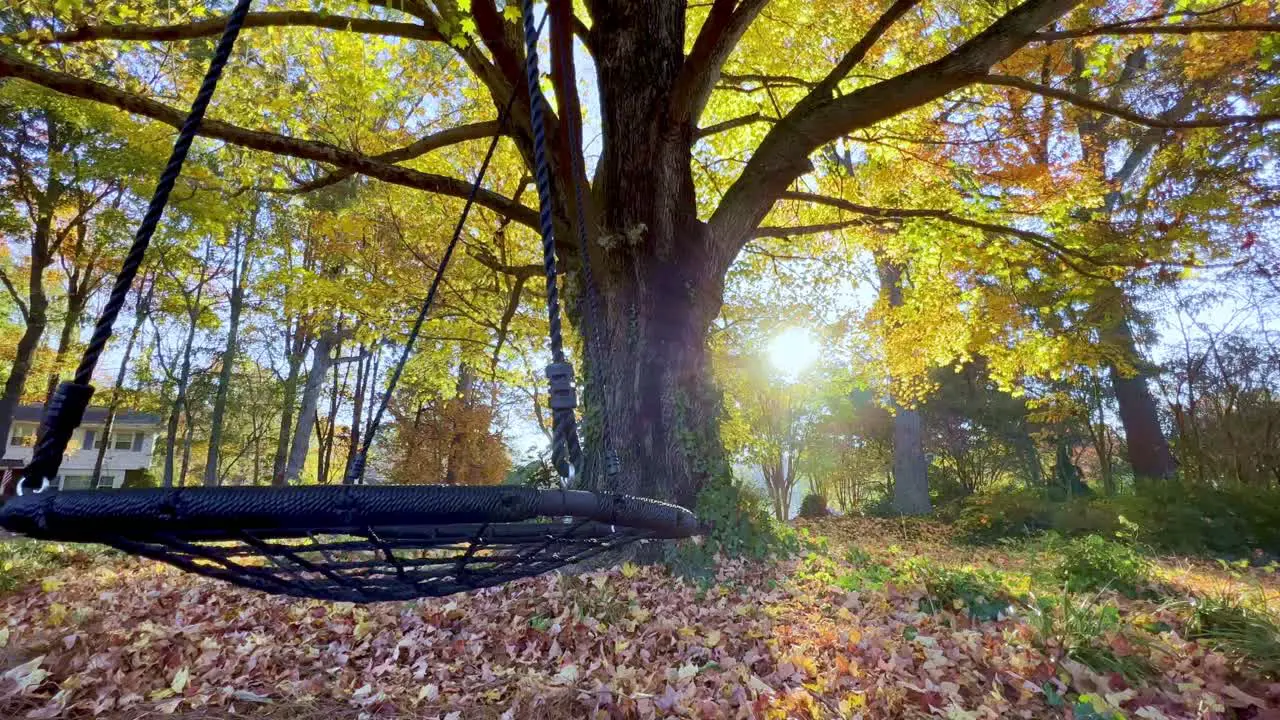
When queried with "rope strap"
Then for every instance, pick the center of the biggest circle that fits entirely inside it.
(66, 409)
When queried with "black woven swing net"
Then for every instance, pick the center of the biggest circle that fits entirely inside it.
(353, 543)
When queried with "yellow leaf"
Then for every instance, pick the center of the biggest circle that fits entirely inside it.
(180, 680)
(713, 638)
(630, 570)
(50, 584)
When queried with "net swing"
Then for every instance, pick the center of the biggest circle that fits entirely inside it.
(353, 542)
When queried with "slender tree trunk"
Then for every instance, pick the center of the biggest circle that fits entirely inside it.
(457, 408)
(240, 273)
(70, 323)
(910, 466)
(188, 434)
(363, 365)
(298, 347)
(1145, 441)
(180, 400)
(140, 313)
(321, 358)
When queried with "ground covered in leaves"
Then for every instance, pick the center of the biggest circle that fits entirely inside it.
(880, 620)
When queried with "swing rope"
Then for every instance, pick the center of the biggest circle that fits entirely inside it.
(356, 472)
(67, 406)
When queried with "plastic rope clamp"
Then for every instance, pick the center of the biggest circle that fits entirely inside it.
(563, 395)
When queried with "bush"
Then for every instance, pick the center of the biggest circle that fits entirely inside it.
(1173, 517)
(1095, 563)
(980, 592)
(814, 506)
(740, 525)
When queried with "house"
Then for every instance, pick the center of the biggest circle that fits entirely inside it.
(128, 450)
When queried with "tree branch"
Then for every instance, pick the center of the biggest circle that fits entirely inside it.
(17, 299)
(828, 85)
(768, 231)
(1039, 240)
(215, 26)
(700, 72)
(727, 125)
(265, 141)
(783, 156)
(434, 141)
(1133, 117)
(1189, 29)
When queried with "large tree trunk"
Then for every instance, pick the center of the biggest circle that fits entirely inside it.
(661, 279)
(910, 466)
(1148, 449)
(321, 358)
(240, 264)
(37, 317)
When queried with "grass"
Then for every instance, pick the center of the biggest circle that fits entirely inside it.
(1234, 627)
(26, 562)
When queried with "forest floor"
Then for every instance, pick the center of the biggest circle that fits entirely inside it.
(881, 619)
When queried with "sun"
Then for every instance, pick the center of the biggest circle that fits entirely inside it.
(792, 351)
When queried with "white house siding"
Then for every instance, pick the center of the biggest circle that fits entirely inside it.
(76, 471)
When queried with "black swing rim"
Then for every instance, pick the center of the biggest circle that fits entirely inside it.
(210, 514)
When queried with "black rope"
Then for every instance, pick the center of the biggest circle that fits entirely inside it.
(565, 448)
(356, 471)
(66, 408)
(591, 292)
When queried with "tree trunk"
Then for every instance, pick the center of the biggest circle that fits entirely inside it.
(298, 347)
(660, 273)
(37, 317)
(70, 323)
(363, 365)
(910, 466)
(140, 313)
(240, 272)
(321, 358)
(180, 400)
(1147, 447)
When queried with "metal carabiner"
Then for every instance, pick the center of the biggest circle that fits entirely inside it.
(22, 482)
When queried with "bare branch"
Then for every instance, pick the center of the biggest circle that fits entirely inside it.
(1133, 117)
(1189, 29)
(718, 37)
(767, 79)
(17, 299)
(213, 27)
(727, 125)
(259, 140)
(418, 148)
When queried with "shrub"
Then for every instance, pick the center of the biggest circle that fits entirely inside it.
(814, 506)
(987, 518)
(980, 592)
(1095, 563)
(740, 525)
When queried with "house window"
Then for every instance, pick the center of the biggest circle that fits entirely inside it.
(122, 441)
(23, 436)
(106, 482)
(119, 440)
(77, 482)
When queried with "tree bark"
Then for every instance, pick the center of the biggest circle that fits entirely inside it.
(239, 275)
(321, 359)
(1145, 442)
(910, 466)
(184, 378)
(37, 312)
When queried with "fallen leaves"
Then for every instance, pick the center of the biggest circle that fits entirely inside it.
(764, 640)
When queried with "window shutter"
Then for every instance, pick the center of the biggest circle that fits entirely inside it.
(88, 440)
(137, 441)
